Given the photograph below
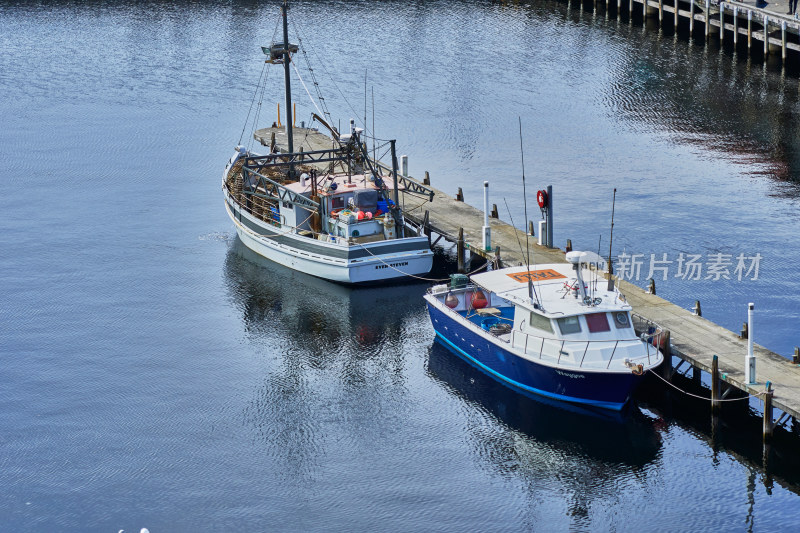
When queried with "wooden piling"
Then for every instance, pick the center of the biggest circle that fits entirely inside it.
(497, 263)
(768, 425)
(530, 228)
(630, 9)
(766, 35)
(749, 29)
(743, 334)
(735, 25)
(796, 356)
(569, 246)
(696, 309)
(460, 195)
(494, 211)
(460, 248)
(707, 18)
(427, 180)
(721, 23)
(660, 11)
(651, 287)
(783, 41)
(644, 10)
(691, 18)
(715, 403)
(676, 14)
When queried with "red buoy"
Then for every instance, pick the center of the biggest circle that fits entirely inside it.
(479, 300)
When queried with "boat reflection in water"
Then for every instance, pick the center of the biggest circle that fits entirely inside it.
(544, 432)
(324, 317)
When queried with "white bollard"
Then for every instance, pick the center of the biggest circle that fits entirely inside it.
(750, 361)
(487, 232)
(404, 165)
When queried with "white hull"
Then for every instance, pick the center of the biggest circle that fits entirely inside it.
(375, 266)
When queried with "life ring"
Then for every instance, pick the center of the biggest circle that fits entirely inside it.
(541, 198)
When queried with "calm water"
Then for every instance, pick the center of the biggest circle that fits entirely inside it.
(156, 374)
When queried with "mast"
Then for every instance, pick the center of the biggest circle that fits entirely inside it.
(287, 82)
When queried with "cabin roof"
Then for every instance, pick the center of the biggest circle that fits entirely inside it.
(550, 283)
(343, 184)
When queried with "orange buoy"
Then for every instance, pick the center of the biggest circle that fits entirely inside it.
(479, 300)
(451, 300)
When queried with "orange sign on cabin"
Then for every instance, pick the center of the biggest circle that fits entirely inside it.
(536, 275)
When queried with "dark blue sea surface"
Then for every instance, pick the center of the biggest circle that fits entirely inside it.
(155, 373)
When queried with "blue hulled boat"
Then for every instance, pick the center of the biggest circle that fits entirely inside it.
(557, 330)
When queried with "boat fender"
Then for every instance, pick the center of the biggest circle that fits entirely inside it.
(451, 300)
(638, 370)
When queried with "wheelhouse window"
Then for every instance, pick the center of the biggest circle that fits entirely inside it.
(597, 322)
(541, 322)
(569, 324)
(621, 319)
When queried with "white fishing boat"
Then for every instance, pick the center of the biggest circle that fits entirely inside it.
(332, 211)
(554, 330)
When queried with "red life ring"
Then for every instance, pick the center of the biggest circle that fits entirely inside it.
(541, 199)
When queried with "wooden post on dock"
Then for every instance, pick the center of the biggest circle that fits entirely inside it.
(735, 25)
(651, 287)
(530, 228)
(715, 385)
(768, 425)
(569, 246)
(644, 10)
(696, 309)
(783, 41)
(460, 195)
(460, 249)
(721, 23)
(796, 356)
(427, 180)
(660, 11)
(497, 262)
(766, 36)
(676, 14)
(494, 211)
(691, 18)
(749, 29)
(707, 18)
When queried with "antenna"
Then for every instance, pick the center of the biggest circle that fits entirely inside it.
(525, 203)
(373, 124)
(365, 99)
(530, 285)
(610, 242)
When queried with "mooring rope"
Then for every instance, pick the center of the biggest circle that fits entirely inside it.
(703, 397)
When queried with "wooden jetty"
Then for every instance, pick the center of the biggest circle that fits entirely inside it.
(692, 339)
(765, 26)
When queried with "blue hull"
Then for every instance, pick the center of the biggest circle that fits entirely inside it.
(599, 389)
